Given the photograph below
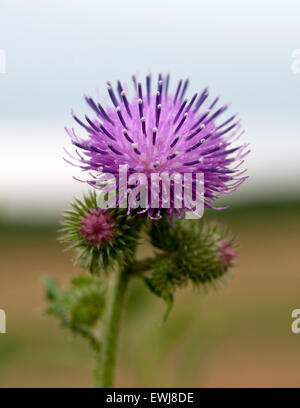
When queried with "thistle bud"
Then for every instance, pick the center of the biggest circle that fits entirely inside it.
(197, 252)
(97, 227)
(99, 237)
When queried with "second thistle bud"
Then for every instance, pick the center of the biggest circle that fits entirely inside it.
(190, 251)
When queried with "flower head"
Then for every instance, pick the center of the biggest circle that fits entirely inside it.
(97, 226)
(157, 131)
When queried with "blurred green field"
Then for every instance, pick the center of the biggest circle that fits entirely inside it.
(238, 335)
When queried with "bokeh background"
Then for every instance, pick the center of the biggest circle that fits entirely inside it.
(56, 51)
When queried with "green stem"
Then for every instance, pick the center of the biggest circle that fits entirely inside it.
(139, 267)
(112, 314)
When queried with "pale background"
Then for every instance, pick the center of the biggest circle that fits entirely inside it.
(58, 50)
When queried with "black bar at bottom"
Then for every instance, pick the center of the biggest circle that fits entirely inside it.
(140, 397)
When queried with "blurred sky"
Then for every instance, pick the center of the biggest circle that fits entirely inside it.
(56, 51)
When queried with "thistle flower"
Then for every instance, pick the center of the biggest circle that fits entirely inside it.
(158, 131)
(99, 237)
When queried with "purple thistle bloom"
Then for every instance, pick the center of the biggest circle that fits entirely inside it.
(156, 131)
